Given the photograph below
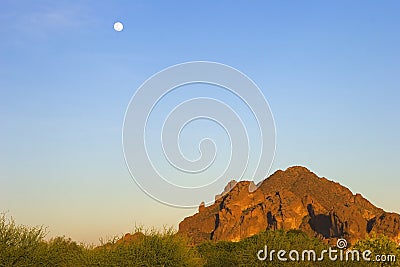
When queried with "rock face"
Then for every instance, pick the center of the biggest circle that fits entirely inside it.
(291, 199)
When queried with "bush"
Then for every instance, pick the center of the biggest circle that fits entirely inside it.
(380, 245)
(155, 248)
(20, 245)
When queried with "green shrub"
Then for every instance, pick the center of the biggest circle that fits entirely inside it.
(380, 245)
(153, 249)
(20, 245)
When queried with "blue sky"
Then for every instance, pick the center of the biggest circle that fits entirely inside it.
(329, 70)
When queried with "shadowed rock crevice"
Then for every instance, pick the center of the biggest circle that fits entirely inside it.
(272, 222)
(321, 224)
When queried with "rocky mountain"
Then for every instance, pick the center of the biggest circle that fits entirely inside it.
(292, 199)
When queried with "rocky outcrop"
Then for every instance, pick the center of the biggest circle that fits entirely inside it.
(292, 199)
(129, 238)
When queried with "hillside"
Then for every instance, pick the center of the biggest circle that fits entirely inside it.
(292, 199)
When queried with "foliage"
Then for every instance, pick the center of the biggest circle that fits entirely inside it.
(20, 245)
(244, 253)
(380, 245)
(25, 246)
(155, 248)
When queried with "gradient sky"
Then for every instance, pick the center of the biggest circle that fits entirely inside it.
(330, 71)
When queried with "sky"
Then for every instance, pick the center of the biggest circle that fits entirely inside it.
(329, 71)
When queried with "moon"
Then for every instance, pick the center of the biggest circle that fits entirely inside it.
(118, 26)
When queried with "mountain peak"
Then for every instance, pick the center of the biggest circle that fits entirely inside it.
(297, 169)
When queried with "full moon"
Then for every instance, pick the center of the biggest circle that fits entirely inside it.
(118, 26)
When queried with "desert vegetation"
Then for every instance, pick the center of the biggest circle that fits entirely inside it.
(26, 246)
